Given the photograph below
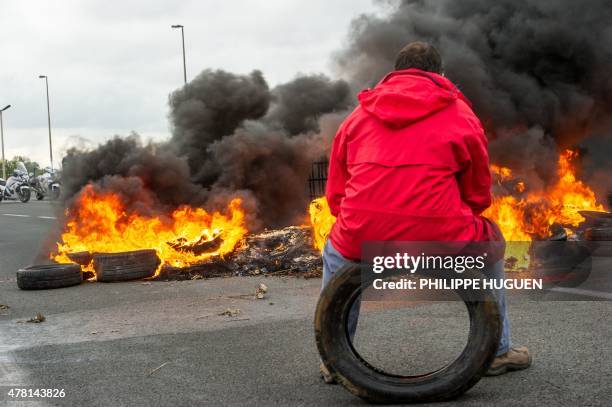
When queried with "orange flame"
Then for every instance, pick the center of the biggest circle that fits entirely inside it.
(321, 220)
(504, 173)
(100, 223)
(519, 218)
(570, 194)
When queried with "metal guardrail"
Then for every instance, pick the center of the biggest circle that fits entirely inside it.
(318, 178)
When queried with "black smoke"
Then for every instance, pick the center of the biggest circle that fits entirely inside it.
(209, 108)
(299, 104)
(537, 71)
(231, 136)
(156, 168)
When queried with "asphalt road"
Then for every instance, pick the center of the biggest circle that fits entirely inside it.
(164, 343)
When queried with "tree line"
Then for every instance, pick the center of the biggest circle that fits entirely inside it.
(31, 166)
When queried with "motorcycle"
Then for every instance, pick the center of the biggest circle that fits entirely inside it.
(46, 184)
(17, 186)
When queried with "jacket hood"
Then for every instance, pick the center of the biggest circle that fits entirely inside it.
(408, 96)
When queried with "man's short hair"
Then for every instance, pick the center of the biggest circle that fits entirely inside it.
(420, 55)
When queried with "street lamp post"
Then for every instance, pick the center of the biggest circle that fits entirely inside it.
(48, 119)
(2, 137)
(183, 38)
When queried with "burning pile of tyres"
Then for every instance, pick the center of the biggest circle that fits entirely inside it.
(119, 236)
(287, 251)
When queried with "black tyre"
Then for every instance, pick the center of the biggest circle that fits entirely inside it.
(81, 258)
(579, 274)
(49, 276)
(24, 195)
(373, 385)
(598, 234)
(577, 259)
(39, 196)
(125, 266)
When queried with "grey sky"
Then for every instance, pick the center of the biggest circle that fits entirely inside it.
(111, 64)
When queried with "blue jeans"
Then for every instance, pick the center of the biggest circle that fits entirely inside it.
(333, 261)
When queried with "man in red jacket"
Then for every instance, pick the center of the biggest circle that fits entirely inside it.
(410, 163)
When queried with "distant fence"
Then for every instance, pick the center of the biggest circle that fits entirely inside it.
(318, 178)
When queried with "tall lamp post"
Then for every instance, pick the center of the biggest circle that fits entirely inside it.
(2, 137)
(48, 119)
(183, 38)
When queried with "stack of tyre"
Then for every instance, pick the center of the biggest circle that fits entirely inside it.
(599, 231)
(109, 267)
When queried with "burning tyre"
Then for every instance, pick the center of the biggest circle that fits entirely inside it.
(81, 258)
(598, 234)
(566, 264)
(48, 276)
(358, 376)
(125, 266)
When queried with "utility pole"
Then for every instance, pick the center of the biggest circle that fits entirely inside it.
(2, 137)
(183, 38)
(48, 119)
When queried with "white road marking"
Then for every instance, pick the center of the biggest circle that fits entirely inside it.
(27, 216)
(580, 291)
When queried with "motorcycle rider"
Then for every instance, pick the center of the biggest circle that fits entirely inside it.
(46, 177)
(47, 184)
(20, 171)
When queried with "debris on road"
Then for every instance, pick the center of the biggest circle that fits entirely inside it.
(240, 296)
(260, 292)
(287, 249)
(34, 320)
(4, 307)
(113, 331)
(237, 319)
(230, 312)
(283, 251)
(157, 368)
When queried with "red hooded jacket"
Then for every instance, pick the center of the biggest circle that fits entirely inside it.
(410, 164)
